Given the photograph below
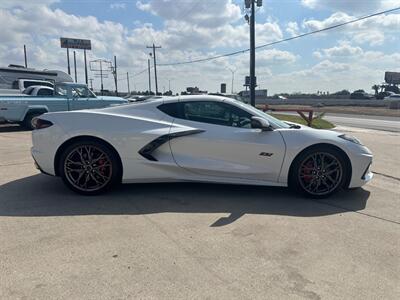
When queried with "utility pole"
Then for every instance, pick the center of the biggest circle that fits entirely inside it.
(86, 74)
(148, 64)
(155, 64)
(252, 57)
(76, 76)
(101, 77)
(251, 4)
(115, 75)
(26, 60)
(127, 79)
(69, 66)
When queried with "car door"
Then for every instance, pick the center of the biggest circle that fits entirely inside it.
(227, 146)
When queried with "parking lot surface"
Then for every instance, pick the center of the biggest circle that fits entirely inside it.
(181, 241)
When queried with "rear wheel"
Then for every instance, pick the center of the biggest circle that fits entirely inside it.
(319, 172)
(89, 168)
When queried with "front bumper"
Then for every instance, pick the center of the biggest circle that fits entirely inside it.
(361, 173)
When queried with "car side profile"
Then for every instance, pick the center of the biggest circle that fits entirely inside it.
(195, 138)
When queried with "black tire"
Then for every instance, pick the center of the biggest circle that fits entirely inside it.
(109, 172)
(311, 179)
(28, 121)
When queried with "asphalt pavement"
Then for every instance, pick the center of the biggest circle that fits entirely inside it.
(366, 122)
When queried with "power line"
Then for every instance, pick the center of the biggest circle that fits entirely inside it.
(280, 41)
(134, 75)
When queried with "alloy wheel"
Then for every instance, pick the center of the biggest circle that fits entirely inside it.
(88, 168)
(320, 173)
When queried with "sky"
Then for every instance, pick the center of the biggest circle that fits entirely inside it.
(352, 57)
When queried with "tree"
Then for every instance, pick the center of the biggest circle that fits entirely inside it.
(375, 87)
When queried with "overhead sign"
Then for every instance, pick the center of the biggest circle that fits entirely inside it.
(392, 77)
(75, 43)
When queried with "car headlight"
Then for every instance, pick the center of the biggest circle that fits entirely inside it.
(350, 138)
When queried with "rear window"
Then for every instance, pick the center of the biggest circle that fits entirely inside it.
(45, 92)
(30, 83)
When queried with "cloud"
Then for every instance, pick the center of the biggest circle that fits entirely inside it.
(352, 6)
(118, 5)
(200, 13)
(293, 28)
(343, 50)
(23, 4)
(371, 31)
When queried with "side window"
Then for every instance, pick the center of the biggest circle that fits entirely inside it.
(61, 91)
(217, 113)
(45, 92)
(171, 109)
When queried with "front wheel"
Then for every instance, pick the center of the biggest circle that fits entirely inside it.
(89, 168)
(319, 172)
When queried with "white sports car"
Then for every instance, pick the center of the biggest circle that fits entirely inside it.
(195, 138)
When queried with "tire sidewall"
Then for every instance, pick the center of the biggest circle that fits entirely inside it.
(294, 182)
(115, 176)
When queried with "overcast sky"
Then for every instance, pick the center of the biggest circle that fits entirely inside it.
(352, 57)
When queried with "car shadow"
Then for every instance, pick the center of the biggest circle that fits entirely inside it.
(11, 128)
(42, 195)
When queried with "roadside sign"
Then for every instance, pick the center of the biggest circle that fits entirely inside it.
(247, 81)
(75, 43)
(392, 77)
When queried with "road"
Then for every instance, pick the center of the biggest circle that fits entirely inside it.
(197, 241)
(361, 121)
(366, 122)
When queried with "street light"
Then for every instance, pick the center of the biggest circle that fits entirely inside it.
(233, 76)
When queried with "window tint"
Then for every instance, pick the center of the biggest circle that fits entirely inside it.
(170, 109)
(45, 92)
(217, 113)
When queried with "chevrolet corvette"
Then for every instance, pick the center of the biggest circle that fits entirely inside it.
(195, 138)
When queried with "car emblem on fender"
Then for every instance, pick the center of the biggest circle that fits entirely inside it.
(266, 154)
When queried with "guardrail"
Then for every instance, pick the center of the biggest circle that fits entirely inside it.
(309, 119)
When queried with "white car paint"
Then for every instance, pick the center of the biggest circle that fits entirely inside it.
(217, 154)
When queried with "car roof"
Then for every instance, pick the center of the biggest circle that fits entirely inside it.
(187, 98)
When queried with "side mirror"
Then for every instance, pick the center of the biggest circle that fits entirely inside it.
(260, 123)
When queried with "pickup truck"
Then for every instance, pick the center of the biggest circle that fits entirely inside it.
(66, 96)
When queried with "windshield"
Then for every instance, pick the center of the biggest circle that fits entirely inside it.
(273, 121)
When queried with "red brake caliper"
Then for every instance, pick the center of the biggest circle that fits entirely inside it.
(101, 165)
(307, 170)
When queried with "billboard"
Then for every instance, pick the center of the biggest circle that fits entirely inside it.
(75, 43)
(392, 77)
